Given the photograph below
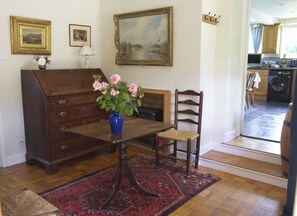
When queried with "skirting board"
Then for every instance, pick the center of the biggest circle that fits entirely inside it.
(15, 159)
(230, 135)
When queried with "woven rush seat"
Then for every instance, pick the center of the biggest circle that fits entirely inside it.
(178, 135)
(27, 203)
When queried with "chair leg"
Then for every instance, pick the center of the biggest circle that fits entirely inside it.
(247, 100)
(252, 99)
(175, 149)
(188, 157)
(157, 151)
(197, 152)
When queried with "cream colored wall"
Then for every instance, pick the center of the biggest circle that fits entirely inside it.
(207, 68)
(61, 14)
(259, 17)
(222, 64)
(186, 31)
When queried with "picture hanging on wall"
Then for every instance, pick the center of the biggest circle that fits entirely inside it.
(79, 35)
(144, 37)
(30, 36)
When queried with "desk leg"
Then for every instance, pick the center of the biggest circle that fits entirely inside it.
(123, 169)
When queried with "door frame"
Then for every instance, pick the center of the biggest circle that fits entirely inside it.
(244, 63)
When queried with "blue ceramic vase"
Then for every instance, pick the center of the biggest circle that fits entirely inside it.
(116, 123)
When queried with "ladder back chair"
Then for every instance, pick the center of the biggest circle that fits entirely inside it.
(249, 97)
(188, 112)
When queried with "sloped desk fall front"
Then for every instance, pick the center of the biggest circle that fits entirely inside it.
(132, 128)
(54, 100)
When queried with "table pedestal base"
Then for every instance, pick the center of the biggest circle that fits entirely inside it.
(123, 170)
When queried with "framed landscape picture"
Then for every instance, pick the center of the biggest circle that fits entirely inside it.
(79, 35)
(144, 37)
(30, 36)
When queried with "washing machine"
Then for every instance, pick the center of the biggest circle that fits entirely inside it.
(279, 85)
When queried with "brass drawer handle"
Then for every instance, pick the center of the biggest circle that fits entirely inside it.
(64, 147)
(62, 129)
(61, 102)
(62, 114)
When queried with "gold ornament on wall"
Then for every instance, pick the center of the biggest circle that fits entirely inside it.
(30, 36)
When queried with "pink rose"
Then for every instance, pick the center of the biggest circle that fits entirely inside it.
(103, 86)
(97, 86)
(115, 78)
(114, 92)
(134, 93)
(133, 87)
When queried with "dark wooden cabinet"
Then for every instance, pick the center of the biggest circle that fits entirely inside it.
(52, 101)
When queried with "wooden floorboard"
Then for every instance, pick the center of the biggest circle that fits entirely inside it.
(232, 195)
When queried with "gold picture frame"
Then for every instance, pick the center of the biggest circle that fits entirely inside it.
(144, 37)
(30, 36)
(79, 35)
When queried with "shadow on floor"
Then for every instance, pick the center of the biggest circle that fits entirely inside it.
(265, 120)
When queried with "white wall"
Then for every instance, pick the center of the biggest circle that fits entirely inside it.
(259, 17)
(186, 28)
(61, 14)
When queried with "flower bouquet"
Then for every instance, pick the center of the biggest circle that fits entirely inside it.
(42, 61)
(117, 96)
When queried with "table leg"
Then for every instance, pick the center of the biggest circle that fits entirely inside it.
(123, 169)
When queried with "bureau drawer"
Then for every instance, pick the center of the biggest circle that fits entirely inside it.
(75, 147)
(72, 100)
(74, 112)
(57, 131)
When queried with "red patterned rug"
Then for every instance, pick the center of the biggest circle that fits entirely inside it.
(82, 196)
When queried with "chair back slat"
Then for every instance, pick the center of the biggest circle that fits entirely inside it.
(188, 121)
(188, 108)
(189, 102)
(189, 92)
(188, 112)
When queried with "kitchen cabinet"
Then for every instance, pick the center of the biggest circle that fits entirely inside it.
(52, 101)
(271, 38)
(260, 93)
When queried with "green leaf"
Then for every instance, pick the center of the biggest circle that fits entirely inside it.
(129, 111)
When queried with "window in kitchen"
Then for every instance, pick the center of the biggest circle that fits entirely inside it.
(289, 41)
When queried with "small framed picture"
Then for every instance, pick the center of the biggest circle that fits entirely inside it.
(30, 36)
(79, 35)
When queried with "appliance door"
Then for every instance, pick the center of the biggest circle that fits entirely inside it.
(279, 84)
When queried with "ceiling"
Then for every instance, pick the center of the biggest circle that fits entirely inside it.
(279, 9)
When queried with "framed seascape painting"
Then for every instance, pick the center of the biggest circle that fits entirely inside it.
(144, 37)
(79, 35)
(30, 36)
